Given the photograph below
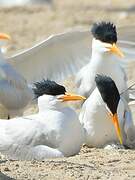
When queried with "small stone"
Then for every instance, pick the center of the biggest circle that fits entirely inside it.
(101, 163)
(6, 169)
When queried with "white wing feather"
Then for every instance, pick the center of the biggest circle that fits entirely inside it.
(127, 41)
(64, 54)
(26, 139)
(33, 137)
(55, 58)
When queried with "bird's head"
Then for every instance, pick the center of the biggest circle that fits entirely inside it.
(111, 97)
(105, 38)
(50, 93)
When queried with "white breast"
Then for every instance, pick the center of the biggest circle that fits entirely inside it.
(96, 121)
(107, 65)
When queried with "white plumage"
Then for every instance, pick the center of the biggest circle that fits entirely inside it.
(99, 128)
(59, 57)
(101, 62)
(63, 55)
(55, 58)
(14, 91)
(54, 131)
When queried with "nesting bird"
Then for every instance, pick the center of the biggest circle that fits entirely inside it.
(106, 116)
(54, 131)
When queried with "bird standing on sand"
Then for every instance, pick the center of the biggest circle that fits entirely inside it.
(104, 104)
(14, 91)
(54, 131)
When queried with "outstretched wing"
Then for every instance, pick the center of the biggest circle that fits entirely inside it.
(127, 42)
(64, 54)
(55, 58)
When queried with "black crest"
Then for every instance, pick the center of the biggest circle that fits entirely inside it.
(108, 91)
(105, 32)
(48, 87)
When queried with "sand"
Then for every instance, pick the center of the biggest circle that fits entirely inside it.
(28, 25)
(89, 164)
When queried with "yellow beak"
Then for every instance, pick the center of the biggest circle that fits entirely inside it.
(114, 49)
(71, 97)
(117, 127)
(4, 36)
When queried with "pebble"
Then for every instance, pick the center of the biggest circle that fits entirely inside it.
(6, 169)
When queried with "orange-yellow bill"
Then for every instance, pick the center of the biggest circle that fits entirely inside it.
(71, 97)
(117, 127)
(4, 36)
(114, 49)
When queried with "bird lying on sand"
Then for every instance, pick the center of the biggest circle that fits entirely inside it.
(54, 131)
(106, 116)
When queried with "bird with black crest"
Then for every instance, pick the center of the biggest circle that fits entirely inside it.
(64, 54)
(55, 131)
(103, 60)
(106, 116)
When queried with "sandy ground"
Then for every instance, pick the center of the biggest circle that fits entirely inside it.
(89, 164)
(28, 25)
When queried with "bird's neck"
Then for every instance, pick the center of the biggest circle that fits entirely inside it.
(45, 107)
(45, 104)
(102, 59)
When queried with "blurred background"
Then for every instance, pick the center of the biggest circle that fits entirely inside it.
(29, 21)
